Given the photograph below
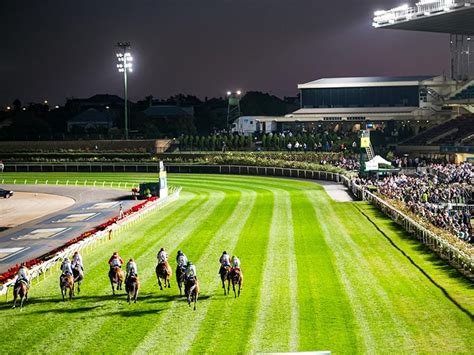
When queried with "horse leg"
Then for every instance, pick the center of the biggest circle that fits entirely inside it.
(113, 289)
(168, 279)
(159, 283)
(195, 300)
(233, 288)
(239, 289)
(14, 299)
(21, 303)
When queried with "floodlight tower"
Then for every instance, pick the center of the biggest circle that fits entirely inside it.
(125, 65)
(233, 106)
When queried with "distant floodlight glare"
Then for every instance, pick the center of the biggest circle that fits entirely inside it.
(229, 93)
(239, 92)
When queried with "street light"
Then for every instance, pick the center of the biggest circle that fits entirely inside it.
(125, 65)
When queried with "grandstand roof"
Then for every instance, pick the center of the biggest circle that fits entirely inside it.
(435, 16)
(374, 81)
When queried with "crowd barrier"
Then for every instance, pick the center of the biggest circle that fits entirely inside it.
(88, 243)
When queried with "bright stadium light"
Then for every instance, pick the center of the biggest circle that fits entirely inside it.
(239, 92)
(229, 93)
(125, 65)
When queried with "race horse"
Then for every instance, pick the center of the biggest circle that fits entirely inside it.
(224, 271)
(78, 274)
(180, 277)
(163, 271)
(116, 276)
(191, 289)
(237, 278)
(132, 285)
(66, 282)
(20, 289)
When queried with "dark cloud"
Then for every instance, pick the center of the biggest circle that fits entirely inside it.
(57, 49)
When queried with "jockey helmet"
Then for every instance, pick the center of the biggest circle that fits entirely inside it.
(115, 253)
(162, 249)
(131, 259)
(190, 263)
(224, 252)
(180, 252)
(234, 257)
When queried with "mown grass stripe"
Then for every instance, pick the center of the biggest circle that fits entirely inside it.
(277, 291)
(326, 316)
(229, 318)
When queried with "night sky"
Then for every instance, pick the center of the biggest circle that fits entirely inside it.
(59, 49)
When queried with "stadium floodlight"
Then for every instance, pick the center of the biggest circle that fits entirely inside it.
(239, 92)
(8, 108)
(125, 66)
(229, 93)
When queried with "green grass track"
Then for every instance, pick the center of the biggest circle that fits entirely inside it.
(318, 275)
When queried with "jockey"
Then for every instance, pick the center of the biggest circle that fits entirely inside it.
(190, 271)
(181, 259)
(224, 259)
(235, 262)
(115, 260)
(66, 267)
(131, 268)
(77, 260)
(23, 275)
(162, 256)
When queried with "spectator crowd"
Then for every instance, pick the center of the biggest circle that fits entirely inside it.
(442, 196)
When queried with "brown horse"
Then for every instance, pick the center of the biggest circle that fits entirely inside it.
(163, 271)
(237, 278)
(180, 277)
(224, 271)
(116, 276)
(132, 286)
(20, 289)
(78, 276)
(191, 289)
(66, 282)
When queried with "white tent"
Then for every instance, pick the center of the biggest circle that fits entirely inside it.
(373, 164)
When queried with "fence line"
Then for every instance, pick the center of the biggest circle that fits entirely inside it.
(98, 237)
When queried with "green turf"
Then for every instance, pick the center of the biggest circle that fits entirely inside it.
(318, 275)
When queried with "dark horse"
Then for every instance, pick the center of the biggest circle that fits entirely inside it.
(20, 289)
(191, 289)
(132, 286)
(116, 276)
(66, 282)
(180, 277)
(224, 271)
(163, 271)
(237, 278)
(78, 274)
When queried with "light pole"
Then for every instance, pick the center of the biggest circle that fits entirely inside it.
(233, 107)
(125, 65)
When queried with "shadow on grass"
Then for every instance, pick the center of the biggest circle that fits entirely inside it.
(437, 261)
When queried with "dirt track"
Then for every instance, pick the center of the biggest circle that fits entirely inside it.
(23, 207)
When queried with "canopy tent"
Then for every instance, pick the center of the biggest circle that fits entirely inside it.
(374, 164)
